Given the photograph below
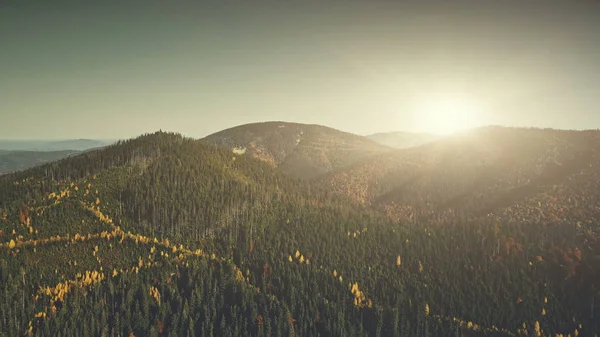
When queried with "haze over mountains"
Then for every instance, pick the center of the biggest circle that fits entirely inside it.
(11, 161)
(52, 145)
(284, 145)
(402, 140)
(302, 150)
(479, 173)
(18, 155)
(227, 234)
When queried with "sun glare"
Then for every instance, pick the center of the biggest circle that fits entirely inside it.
(446, 114)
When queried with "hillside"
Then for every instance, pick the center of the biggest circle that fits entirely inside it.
(11, 161)
(480, 173)
(300, 150)
(164, 235)
(401, 140)
(60, 227)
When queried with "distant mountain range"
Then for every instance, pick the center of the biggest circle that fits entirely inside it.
(16, 155)
(402, 140)
(51, 145)
(11, 161)
(301, 150)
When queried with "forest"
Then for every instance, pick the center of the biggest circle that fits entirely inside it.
(164, 235)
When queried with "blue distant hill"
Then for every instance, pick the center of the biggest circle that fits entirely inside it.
(17, 155)
(52, 145)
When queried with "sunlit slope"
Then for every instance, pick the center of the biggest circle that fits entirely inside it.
(67, 266)
(402, 140)
(91, 218)
(161, 184)
(299, 150)
(480, 172)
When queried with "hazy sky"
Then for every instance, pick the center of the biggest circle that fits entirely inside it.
(113, 69)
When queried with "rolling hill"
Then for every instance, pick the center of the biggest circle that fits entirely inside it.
(300, 150)
(166, 235)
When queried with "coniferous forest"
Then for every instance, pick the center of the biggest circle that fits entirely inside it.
(164, 235)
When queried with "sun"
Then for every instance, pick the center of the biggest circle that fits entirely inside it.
(447, 113)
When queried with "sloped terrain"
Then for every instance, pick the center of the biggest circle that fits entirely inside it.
(299, 150)
(164, 235)
(54, 229)
(477, 173)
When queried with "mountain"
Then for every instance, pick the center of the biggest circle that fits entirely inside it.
(300, 150)
(166, 235)
(56, 145)
(400, 140)
(19, 160)
(480, 173)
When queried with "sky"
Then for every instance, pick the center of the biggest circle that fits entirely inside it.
(117, 69)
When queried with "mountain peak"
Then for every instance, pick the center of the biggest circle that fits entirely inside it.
(302, 150)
